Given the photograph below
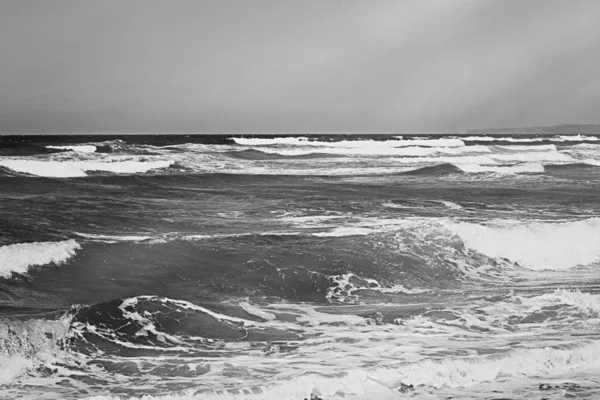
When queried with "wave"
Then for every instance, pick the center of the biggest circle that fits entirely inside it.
(343, 288)
(459, 168)
(585, 146)
(583, 303)
(7, 172)
(17, 258)
(25, 345)
(512, 148)
(72, 169)
(81, 148)
(516, 364)
(492, 160)
(502, 139)
(545, 245)
(116, 238)
(377, 149)
(572, 166)
(253, 154)
(503, 169)
(563, 138)
(534, 245)
(577, 138)
(436, 170)
(360, 143)
(176, 236)
(152, 323)
(390, 382)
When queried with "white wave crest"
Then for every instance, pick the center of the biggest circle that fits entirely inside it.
(586, 303)
(535, 245)
(81, 148)
(501, 139)
(114, 238)
(516, 364)
(19, 257)
(563, 138)
(303, 141)
(575, 138)
(451, 205)
(24, 345)
(72, 169)
(510, 169)
(376, 148)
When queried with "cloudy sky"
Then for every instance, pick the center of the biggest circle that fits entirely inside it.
(288, 65)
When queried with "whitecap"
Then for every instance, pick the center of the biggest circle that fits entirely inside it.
(80, 148)
(535, 245)
(19, 257)
(72, 169)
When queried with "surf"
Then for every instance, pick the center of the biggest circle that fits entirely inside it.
(18, 258)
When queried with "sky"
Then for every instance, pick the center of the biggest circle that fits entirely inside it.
(296, 66)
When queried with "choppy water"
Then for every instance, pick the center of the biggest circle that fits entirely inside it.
(346, 267)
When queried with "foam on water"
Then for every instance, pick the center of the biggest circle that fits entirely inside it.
(542, 147)
(377, 148)
(412, 290)
(25, 345)
(535, 245)
(552, 245)
(345, 288)
(499, 139)
(347, 157)
(586, 303)
(299, 141)
(385, 383)
(451, 205)
(115, 238)
(72, 169)
(81, 148)
(19, 257)
(577, 138)
(564, 138)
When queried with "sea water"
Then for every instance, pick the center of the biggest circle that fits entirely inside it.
(280, 267)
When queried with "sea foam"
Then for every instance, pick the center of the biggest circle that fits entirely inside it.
(81, 148)
(72, 169)
(535, 245)
(24, 345)
(19, 257)
(303, 141)
(387, 383)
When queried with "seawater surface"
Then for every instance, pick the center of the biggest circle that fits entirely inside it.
(280, 267)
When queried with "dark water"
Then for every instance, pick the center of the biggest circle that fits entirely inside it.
(261, 267)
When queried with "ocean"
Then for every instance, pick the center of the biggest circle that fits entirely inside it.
(286, 267)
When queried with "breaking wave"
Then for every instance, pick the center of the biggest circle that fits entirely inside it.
(253, 154)
(304, 141)
(563, 138)
(19, 257)
(26, 345)
(442, 169)
(503, 169)
(388, 382)
(72, 169)
(535, 245)
(80, 148)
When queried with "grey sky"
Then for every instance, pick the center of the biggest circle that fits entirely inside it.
(309, 65)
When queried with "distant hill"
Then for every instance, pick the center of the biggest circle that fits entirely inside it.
(567, 129)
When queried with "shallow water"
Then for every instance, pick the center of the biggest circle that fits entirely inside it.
(375, 267)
